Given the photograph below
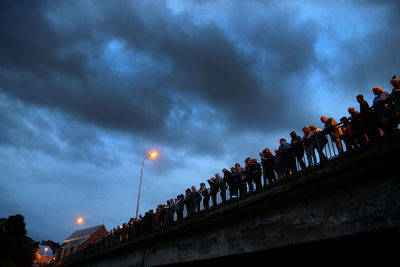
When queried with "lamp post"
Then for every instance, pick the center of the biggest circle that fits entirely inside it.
(151, 155)
(78, 221)
(44, 257)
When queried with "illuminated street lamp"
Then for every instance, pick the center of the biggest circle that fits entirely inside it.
(79, 220)
(44, 257)
(151, 155)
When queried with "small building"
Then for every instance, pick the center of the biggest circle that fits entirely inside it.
(46, 256)
(81, 239)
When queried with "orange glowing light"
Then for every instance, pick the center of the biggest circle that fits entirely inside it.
(79, 220)
(153, 154)
(45, 249)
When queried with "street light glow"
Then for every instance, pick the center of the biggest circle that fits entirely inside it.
(78, 220)
(151, 155)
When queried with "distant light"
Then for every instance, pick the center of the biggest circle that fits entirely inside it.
(153, 154)
(45, 249)
(79, 220)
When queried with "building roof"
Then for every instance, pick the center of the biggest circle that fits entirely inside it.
(80, 236)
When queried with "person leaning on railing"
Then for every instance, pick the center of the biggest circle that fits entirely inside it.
(240, 172)
(140, 225)
(358, 127)
(255, 169)
(171, 211)
(335, 132)
(229, 181)
(179, 207)
(347, 134)
(189, 202)
(157, 218)
(196, 199)
(206, 196)
(319, 141)
(395, 95)
(235, 183)
(125, 232)
(267, 160)
(298, 148)
(287, 156)
(109, 239)
(308, 140)
(368, 119)
(213, 190)
(148, 221)
(385, 110)
(221, 184)
(248, 174)
(278, 164)
(163, 216)
(131, 228)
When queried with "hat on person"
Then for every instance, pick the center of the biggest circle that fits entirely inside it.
(378, 89)
(395, 82)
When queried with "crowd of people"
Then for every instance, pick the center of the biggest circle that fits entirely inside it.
(299, 153)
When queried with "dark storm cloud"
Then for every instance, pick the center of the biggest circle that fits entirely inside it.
(31, 44)
(48, 64)
(208, 65)
(365, 49)
(31, 129)
(372, 64)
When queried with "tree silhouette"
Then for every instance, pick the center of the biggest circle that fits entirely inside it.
(16, 249)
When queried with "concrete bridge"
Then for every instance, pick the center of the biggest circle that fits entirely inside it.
(346, 207)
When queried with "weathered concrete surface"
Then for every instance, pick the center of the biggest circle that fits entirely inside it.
(355, 194)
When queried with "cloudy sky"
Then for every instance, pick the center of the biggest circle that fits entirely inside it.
(89, 88)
